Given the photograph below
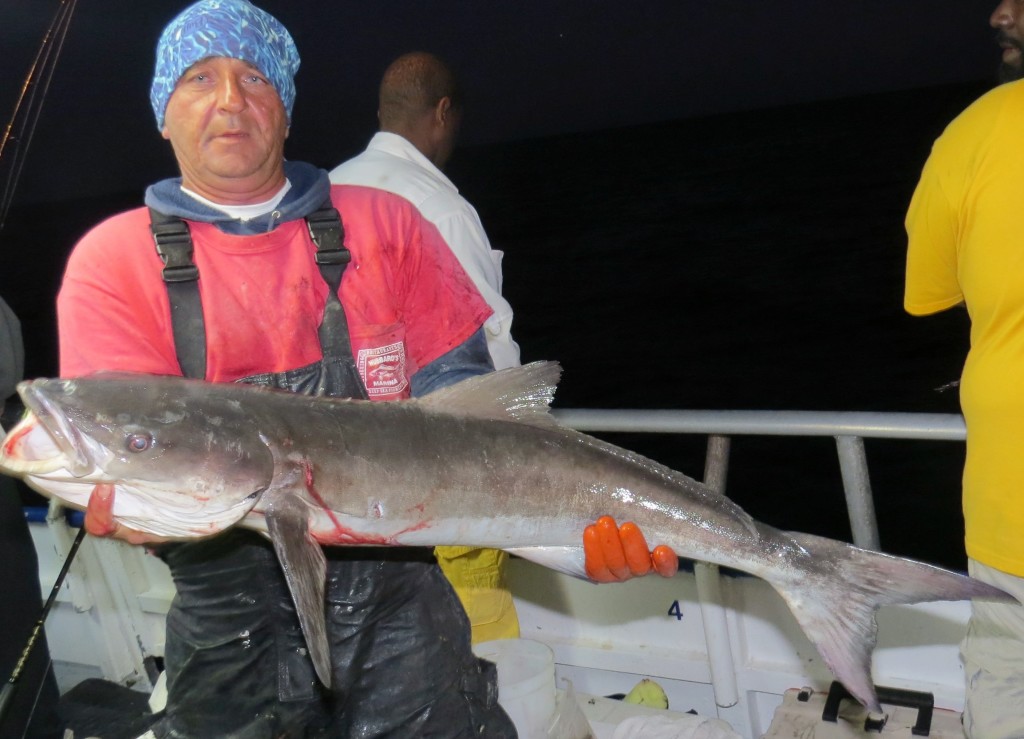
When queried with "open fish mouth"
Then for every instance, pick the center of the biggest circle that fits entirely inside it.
(61, 449)
(47, 451)
(44, 441)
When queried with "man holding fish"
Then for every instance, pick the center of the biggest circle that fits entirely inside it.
(242, 271)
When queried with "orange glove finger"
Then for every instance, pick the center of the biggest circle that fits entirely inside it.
(634, 546)
(665, 560)
(99, 514)
(597, 568)
(611, 547)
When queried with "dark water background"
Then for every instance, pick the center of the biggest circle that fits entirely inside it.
(744, 261)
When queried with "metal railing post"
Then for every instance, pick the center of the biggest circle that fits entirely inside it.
(860, 504)
(709, 591)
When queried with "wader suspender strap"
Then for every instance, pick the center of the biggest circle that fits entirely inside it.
(332, 257)
(174, 245)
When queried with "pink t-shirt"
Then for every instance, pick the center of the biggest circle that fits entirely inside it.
(406, 298)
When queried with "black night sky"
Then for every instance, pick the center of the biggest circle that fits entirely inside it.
(700, 202)
(530, 68)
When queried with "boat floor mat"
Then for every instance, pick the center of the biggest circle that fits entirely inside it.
(105, 710)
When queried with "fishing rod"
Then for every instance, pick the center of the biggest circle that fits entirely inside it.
(34, 88)
(7, 694)
(25, 116)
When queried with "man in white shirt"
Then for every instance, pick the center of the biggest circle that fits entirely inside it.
(419, 117)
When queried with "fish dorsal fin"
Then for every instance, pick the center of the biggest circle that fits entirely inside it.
(520, 394)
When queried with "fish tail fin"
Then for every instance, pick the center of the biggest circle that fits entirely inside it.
(836, 609)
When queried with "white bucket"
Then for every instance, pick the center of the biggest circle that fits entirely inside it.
(526, 683)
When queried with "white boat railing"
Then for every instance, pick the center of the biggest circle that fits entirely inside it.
(848, 428)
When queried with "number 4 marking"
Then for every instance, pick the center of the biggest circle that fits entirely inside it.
(676, 610)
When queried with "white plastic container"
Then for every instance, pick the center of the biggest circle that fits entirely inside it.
(526, 683)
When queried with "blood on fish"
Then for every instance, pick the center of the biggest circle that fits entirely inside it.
(417, 527)
(351, 537)
(13, 438)
(343, 535)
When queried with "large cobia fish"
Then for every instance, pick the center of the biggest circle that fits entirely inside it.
(481, 463)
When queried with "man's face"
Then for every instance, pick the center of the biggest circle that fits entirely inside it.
(1008, 20)
(227, 126)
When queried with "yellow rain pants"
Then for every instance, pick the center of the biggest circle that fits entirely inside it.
(478, 576)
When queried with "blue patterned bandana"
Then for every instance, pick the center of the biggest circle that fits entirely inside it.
(229, 28)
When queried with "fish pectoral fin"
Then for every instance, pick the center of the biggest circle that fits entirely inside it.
(305, 570)
(569, 560)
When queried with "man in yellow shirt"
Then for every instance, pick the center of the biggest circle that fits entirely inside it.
(1008, 20)
(966, 247)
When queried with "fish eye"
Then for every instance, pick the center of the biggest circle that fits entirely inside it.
(139, 442)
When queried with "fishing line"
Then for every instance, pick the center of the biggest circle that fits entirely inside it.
(35, 700)
(42, 68)
(7, 694)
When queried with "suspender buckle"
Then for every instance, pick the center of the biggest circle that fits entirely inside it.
(332, 257)
(188, 273)
(328, 234)
(174, 245)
